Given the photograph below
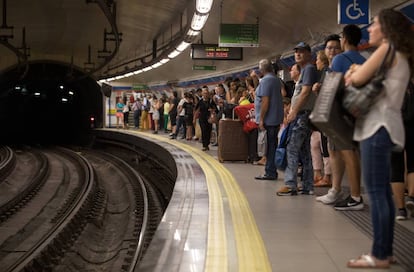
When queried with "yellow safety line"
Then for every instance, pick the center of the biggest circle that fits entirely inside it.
(252, 255)
(251, 251)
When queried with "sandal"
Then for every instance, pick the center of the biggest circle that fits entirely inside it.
(317, 179)
(322, 183)
(392, 260)
(368, 261)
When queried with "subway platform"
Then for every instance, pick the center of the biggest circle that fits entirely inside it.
(236, 223)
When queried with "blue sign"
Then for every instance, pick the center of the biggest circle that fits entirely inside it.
(353, 12)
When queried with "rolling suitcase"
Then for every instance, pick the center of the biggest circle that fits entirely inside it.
(232, 141)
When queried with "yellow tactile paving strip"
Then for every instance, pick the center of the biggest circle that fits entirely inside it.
(225, 193)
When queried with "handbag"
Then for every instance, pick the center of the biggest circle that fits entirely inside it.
(358, 100)
(328, 115)
(280, 155)
(212, 119)
(262, 143)
(246, 114)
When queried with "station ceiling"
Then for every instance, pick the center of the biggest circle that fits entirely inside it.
(79, 32)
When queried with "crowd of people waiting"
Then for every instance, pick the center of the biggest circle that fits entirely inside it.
(381, 155)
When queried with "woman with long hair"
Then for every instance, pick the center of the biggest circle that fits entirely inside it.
(381, 129)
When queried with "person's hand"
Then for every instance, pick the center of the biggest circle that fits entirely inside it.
(316, 87)
(349, 73)
(291, 116)
(261, 125)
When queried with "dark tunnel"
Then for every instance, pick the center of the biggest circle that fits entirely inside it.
(48, 103)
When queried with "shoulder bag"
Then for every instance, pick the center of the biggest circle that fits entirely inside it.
(358, 100)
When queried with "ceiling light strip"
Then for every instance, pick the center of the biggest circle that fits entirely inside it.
(198, 21)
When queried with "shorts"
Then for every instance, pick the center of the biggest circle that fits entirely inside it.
(119, 114)
(173, 118)
(156, 115)
(338, 145)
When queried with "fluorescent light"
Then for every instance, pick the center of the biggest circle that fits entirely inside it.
(129, 74)
(102, 80)
(204, 6)
(198, 21)
(183, 45)
(147, 68)
(163, 61)
(174, 54)
(138, 72)
(192, 32)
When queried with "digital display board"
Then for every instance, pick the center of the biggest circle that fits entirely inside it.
(239, 35)
(214, 52)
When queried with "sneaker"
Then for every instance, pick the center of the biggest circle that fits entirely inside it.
(330, 198)
(401, 214)
(286, 191)
(410, 206)
(349, 204)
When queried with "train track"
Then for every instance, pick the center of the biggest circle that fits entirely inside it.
(66, 210)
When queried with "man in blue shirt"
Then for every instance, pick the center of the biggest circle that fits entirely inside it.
(298, 146)
(269, 114)
(345, 157)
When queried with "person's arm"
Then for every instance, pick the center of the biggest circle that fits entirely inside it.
(263, 111)
(300, 101)
(309, 78)
(283, 88)
(196, 112)
(359, 75)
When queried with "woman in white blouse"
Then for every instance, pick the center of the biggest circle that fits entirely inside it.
(381, 129)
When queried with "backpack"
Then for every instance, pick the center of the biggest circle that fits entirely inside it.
(147, 105)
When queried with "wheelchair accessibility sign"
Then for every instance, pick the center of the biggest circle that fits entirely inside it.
(353, 12)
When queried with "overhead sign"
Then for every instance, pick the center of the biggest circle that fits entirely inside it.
(215, 52)
(239, 35)
(139, 87)
(353, 12)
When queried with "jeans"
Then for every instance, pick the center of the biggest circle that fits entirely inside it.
(137, 116)
(376, 165)
(270, 167)
(181, 123)
(298, 149)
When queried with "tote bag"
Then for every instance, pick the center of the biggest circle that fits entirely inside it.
(328, 114)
